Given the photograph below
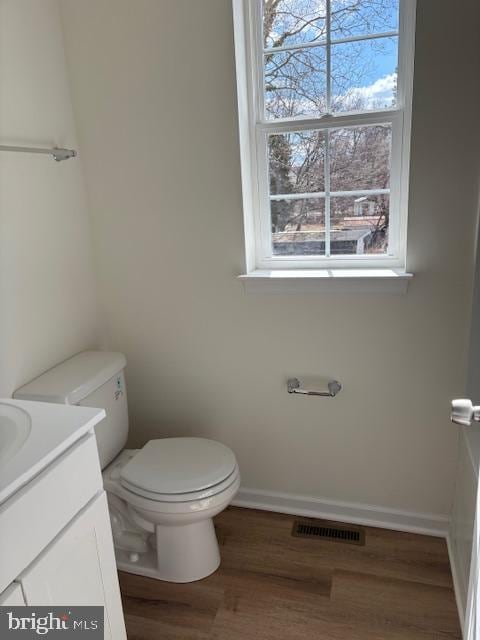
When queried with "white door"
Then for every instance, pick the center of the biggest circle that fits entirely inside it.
(472, 617)
(464, 535)
(78, 568)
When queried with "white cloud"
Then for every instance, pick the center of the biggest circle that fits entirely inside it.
(380, 91)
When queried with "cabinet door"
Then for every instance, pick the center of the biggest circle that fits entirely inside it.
(78, 568)
(12, 596)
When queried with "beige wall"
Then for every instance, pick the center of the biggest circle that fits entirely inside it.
(47, 290)
(154, 90)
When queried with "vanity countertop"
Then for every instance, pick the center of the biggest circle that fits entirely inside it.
(34, 434)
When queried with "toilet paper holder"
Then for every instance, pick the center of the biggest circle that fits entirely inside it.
(334, 387)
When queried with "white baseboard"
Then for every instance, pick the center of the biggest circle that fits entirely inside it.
(365, 514)
(457, 574)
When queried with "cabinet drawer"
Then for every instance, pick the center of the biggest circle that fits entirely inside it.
(31, 518)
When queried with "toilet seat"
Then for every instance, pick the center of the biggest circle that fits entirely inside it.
(176, 505)
(183, 497)
(171, 469)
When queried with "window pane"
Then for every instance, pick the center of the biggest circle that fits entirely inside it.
(296, 162)
(295, 83)
(362, 17)
(364, 74)
(359, 225)
(293, 22)
(360, 158)
(298, 227)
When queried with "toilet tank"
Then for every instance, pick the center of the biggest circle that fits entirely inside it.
(89, 379)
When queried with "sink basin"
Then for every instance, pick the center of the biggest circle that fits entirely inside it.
(15, 427)
(34, 434)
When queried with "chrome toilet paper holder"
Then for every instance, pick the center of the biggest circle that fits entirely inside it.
(334, 387)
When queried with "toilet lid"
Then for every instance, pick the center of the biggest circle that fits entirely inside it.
(179, 465)
(194, 496)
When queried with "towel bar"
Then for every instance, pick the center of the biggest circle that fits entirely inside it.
(57, 153)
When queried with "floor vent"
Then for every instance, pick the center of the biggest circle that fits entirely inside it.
(326, 530)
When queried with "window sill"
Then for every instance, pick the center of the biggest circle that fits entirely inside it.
(389, 281)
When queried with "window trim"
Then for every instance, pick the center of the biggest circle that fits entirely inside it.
(249, 64)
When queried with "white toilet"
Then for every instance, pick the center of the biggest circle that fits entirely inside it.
(162, 497)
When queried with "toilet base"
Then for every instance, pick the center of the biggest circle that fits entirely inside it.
(172, 540)
(186, 553)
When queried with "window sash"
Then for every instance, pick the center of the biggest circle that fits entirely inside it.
(257, 128)
(265, 256)
(259, 52)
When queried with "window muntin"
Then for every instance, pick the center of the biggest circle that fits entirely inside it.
(345, 87)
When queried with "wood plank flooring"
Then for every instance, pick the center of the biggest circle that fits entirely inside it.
(272, 586)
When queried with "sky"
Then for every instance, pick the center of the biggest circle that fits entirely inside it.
(381, 90)
(371, 66)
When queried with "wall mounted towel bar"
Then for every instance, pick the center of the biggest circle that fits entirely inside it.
(293, 386)
(58, 154)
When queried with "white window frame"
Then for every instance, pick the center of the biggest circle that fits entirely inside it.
(254, 129)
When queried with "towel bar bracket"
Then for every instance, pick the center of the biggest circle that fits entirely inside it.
(57, 153)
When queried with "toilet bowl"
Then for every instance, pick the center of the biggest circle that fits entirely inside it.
(162, 497)
(168, 534)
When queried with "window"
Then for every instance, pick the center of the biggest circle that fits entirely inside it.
(324, 89)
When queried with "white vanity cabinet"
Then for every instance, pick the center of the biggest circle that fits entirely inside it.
(12, 596)
(56, 546)
(78, 568)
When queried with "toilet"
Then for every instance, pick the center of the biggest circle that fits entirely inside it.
(162, 497)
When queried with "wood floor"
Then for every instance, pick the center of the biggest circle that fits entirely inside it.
(272, 586)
